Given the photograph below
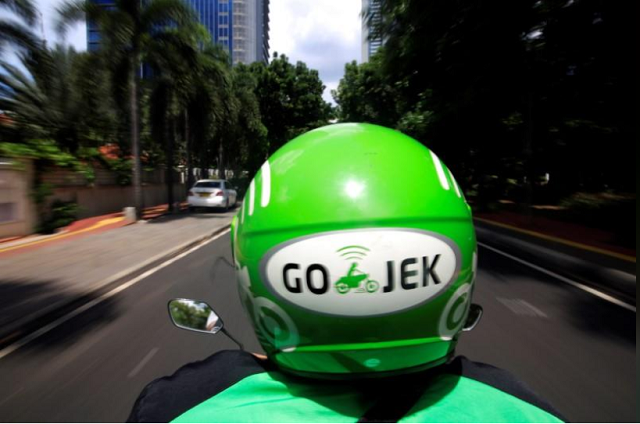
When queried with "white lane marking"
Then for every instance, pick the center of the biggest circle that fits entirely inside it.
(521, 307)
(580, 286)
(142, 363)
(474, 264)
(12, 395)
(18, 344)
(266, 185)
(455, 184)
(252, 195)
(441, 176)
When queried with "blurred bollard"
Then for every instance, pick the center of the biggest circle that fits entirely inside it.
(130, 214)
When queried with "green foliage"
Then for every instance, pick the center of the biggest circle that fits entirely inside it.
(61, 214)
(364, 95)
(194, 108)
(60, 95)
(290, 98)
(503, 88)
(47, 152)
(189, 316)
(122, 169)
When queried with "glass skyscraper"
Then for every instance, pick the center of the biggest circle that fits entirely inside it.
(370, 45)
(240, 26)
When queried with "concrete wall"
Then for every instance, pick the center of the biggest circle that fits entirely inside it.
(17, 211)
(102, 200)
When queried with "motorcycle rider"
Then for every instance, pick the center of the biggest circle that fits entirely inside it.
(337, 196)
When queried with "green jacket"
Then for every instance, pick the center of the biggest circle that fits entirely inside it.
(235, 386)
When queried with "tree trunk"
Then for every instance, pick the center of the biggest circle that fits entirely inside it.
(528, 156)
(221, 170)
(135, 133)
(187, 137)
(169, 127)
(204, 172)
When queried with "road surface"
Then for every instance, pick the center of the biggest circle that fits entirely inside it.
(574, 349)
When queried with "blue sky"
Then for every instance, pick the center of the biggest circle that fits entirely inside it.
(323, 34)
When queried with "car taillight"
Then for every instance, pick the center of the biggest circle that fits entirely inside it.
(219, 193)
(190, 193)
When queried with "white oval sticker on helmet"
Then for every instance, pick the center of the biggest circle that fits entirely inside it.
(365, 272)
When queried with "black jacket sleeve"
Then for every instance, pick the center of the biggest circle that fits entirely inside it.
(501, 380)
(166, 398)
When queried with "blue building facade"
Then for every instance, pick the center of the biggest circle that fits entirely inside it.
(93, 33)
(217, 17)
(240, 26)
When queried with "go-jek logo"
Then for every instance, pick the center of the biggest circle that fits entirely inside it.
(361, 272)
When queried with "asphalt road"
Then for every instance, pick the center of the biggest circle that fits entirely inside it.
(574, 349)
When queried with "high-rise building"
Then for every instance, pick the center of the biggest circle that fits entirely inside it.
(93, 33)
(240, 26)
(370, 13)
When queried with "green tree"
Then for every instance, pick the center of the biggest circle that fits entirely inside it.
(290, 99)
(506, 90)
(128, 29)
(173, 58)
(54, 98)
(205, 108)
(250, 147)
(364, 95)
(189, 316)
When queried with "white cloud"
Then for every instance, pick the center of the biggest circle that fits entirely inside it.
(76, 35)
(323, 34)
(45, 26)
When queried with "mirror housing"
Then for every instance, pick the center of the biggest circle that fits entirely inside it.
(194, 315)
(473, 318)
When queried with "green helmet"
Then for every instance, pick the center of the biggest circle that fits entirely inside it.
(355, 254)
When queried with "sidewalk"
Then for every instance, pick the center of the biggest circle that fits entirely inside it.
(79, 228)
(36, 282)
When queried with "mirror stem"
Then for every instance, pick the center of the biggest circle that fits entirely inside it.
(226, 333)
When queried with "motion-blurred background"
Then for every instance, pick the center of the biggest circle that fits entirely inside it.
(528, 102)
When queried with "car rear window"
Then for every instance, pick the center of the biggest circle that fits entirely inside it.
(208, 184)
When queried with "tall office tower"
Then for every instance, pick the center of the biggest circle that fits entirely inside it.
(250, 31)
(370, 46)
(240, 26)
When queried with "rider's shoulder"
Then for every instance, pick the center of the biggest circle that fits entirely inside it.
(500, 380)
(165, 398)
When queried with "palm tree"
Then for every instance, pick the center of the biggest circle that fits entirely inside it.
(14, 32)
(127, 30)
(52, 96)
(206, 107)
(43, 100)
(173, 58)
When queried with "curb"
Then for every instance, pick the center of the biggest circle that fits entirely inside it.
(608, 274)
(19, 241)
(558, 240)
(20, 328)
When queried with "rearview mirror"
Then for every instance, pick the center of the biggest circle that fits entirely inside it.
(195, 316)
(475, 313)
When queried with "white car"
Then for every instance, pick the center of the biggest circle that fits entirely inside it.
(212, 194)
